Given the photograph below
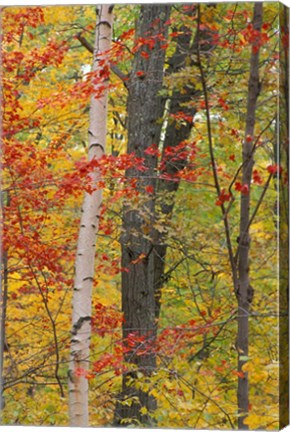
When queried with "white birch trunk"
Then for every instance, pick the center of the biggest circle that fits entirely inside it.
(85, 258)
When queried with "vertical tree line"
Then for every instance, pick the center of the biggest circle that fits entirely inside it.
(245, 290)
(139, 302)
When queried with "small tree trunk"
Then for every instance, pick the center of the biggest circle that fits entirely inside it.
(245, 291)
(84, 267)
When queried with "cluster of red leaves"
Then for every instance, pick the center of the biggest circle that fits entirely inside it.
(108, 265)
(20, 66)
(223, 197)
(144, 42)
(152, 151)
(256, 38)
(28, 171)
(114, 361)
(231, 14)
(243, 188)
(139, 344)
(94, 84)
(149, 43)
(274, 169)
(181, 116)
(170, 340)
(222, 103)
(184, 151)
(257, 179)
(224, 366)
(235, 133)
(235, 39)
(175, 339)
(109, 361)
(32, 17)
(105, 319)
(111, 168)
(26, 66)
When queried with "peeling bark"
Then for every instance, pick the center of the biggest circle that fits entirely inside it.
(85, 257)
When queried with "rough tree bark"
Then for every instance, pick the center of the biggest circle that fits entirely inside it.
(245, 291)
(173, 135)
(145, 108)
(85, 257)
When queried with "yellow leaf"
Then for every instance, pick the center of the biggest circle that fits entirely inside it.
(143, 410)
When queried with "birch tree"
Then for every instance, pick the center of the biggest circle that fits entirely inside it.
(90, 212)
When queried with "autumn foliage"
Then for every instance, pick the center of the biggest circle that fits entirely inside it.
(47, 84)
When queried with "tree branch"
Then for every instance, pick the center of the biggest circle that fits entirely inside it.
(85, 43)
(212, 156)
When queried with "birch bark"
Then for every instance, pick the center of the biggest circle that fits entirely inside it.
(85, 258)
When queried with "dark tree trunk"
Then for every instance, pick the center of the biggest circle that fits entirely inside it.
(173, 136)
(245, 291)
(142, 285)
(145, 108)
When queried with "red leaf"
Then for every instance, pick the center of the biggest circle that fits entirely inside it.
(244, 189)
(239, 374)
(256, 177)
(223, 197)
(152, 150)
(149, 189)
(273, 169)
(145, 55)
